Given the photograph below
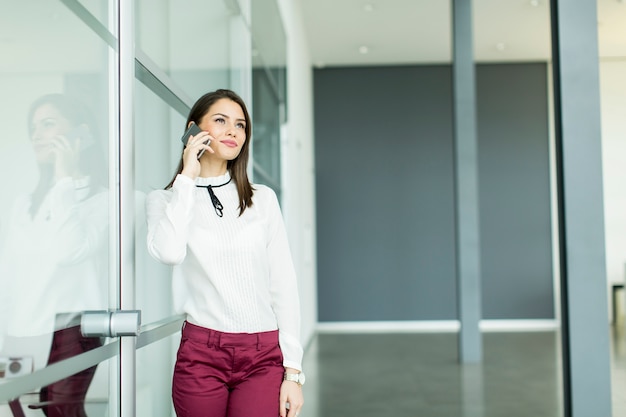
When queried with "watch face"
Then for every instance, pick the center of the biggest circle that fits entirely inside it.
(301, 378)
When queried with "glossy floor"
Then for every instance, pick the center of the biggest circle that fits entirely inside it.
(410, 375)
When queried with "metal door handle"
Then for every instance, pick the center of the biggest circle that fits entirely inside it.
(110, 323)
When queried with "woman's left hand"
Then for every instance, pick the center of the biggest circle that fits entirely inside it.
(291, 392)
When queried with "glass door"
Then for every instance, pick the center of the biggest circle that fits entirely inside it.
(95, 95)
(58, 233)
(71, 239)
(181, 52)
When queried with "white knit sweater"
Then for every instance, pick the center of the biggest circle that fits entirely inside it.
(232, 274)
(54, 263)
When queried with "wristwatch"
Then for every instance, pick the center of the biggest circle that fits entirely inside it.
(297, 378)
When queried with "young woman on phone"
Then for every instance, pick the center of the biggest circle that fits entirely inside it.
(53, 260)
(233, 276)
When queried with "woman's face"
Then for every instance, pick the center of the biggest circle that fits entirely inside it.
(47, 125)
(226, 123)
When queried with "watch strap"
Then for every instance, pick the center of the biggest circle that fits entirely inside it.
(292, 377)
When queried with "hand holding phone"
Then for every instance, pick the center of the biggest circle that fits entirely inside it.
(68, 148)
(82, 133)
(193, 131)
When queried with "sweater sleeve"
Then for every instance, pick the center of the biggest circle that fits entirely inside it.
(283, 287)
(168, 216)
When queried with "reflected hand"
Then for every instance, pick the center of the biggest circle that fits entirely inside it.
(66, 157)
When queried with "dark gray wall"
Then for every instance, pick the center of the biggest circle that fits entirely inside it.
(513, 159)
(385, 201)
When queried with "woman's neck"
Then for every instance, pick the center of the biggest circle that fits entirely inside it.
(212, 169)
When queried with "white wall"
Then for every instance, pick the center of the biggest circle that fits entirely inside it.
(613, 114)
(298, 165)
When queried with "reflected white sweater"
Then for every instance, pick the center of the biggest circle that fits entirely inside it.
(231, 274)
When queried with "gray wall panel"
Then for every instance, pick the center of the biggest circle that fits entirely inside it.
(514, 191)
(385, 198)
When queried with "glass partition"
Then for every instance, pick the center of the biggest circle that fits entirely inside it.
(154, 382)
(266, 130)
(59, 234)
(189, 41)
(56, 115)
(182, 55)
(612, 67)
(156, 158)
(183, 52)
(269, 63)
(98, 14)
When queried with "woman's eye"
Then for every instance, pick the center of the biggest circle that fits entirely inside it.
(241, 126)
(44, 124)
(48, 123)
(220, 120)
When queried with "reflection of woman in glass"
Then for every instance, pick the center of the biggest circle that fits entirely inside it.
(54, 260)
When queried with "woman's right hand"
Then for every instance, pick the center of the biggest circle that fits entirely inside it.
(195, 144)
(66, 156)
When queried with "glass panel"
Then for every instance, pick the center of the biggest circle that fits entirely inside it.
(268, 86)
(177, 48)
(270, 44)
(55, 111)
(265, 130)
(185, 54)
(192, 48)
(96, 402)
(155, 365)
(612, 67)
(523, 52)
(93, 10)
(157, 152)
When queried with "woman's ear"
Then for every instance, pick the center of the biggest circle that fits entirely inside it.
(190, 123)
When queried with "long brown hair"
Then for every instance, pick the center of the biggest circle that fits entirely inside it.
(238, 167)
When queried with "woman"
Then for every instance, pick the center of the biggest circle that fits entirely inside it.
(55, 255)
(240, 353)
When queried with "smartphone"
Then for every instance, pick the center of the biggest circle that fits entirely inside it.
(193, 131)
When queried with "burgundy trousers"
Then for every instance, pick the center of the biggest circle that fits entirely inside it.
(66, 398)
(221, 374)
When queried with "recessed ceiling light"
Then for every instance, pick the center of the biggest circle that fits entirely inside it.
(368, 7)
(500, 46)
(364, 49)
(535, 3)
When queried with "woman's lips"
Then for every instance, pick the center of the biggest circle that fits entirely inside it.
(229, 143)
(42, 146)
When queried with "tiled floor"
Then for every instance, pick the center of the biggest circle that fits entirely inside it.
(409, 375)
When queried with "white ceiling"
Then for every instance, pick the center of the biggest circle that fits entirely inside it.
(397, 32)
